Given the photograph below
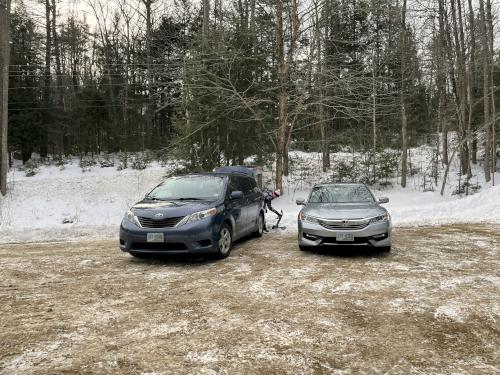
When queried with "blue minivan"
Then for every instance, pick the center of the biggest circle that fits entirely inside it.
(195, 214)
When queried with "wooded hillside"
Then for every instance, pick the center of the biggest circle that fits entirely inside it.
(215, 82)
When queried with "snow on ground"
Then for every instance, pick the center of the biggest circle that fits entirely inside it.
(68, 204)
(410, 206)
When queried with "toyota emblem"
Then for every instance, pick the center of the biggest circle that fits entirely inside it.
(158, 216)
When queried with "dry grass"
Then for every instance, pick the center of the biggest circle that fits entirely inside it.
(431, 306)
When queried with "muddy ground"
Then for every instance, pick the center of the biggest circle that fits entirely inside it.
(430, 306)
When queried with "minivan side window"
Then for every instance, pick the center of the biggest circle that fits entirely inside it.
(253, 185)
(245, 184)
(233, 184)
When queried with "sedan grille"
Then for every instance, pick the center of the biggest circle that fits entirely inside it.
(170, 222)
(344, 224)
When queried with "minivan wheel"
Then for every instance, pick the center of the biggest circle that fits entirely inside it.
(140, 255)
(260, 226)
(225, 242)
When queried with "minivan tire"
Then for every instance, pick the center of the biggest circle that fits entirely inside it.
(225, 243)
(260, 226)
(141, 255)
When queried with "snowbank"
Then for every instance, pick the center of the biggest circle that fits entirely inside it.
(68, 204)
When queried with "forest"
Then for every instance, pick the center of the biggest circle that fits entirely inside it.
(214, 82)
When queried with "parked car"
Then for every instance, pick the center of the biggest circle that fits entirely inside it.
(344, 214)
(197, 213)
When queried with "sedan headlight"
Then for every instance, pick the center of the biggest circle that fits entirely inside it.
(380, 218)
(130, 216)
(307, 218)
(197, 216)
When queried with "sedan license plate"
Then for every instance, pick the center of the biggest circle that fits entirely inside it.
(345, 237)
(155, 237)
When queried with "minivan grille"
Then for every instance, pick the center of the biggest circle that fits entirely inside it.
(344, 224)
(170, 222)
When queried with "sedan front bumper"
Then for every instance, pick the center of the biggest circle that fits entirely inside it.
(373, 235)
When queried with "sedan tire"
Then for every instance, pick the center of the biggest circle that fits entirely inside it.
(305, 248)
(386, 249)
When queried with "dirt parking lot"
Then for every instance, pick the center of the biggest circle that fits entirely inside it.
(431, 306)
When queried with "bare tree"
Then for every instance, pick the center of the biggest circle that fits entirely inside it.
(486, 90)
(284, 60)
(4, 91)
(404, 121)
(491, 53)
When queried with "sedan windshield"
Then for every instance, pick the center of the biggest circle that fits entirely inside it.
(341, 194)
(189, 188)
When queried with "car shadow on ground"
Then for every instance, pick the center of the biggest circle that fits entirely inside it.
(183, 259)
(348, 252)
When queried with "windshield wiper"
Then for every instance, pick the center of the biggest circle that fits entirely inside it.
(154, 198)
(190, 199)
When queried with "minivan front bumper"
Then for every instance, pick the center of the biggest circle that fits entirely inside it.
(200, 237)
(373, 235)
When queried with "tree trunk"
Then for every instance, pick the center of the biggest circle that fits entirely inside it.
(470, 85)
(460, 92)
(44, 141)
(147, 137)
(442, 83)
(4, 91)
(283, 64)
(486, 92)
(63, 141)
(280, 55)
(492, 91)
(206, 19)
(404, 123)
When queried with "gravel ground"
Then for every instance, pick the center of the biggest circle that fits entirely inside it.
(430, 306)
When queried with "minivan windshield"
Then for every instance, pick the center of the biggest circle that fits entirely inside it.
(341, 194)
(201, 187)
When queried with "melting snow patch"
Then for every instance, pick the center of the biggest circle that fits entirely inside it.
(85, 263)
(450, 312)
(209, 356)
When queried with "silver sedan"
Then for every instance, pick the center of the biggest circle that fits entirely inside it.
(344, 214)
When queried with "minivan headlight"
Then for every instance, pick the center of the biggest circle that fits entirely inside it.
(130, 216)
(380, 218)
(307, 218)
(197, 216)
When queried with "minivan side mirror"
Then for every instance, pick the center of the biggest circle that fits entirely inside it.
(301, 202)
(382, 200)
(236, 195)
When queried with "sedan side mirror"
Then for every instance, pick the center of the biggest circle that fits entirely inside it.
(236, 195)
(300, 202)
(383, 200)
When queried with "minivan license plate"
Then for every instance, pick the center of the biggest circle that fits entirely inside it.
(155, 237)
(345, 237)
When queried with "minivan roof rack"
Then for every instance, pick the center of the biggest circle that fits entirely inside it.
(236, 170)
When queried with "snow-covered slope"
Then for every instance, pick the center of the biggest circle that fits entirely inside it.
(70, 204)
(410, 207)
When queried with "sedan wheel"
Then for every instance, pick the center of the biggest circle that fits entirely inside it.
(225, 242)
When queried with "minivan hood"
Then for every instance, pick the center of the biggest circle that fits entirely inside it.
(343, 210)
(149, 208)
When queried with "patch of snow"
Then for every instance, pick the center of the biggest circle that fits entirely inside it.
(69, 204)
(452, 311)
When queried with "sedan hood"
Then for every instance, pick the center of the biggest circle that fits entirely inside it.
(149, 208)
(343, 210)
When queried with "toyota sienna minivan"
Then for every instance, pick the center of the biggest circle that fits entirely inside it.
(196, 214)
